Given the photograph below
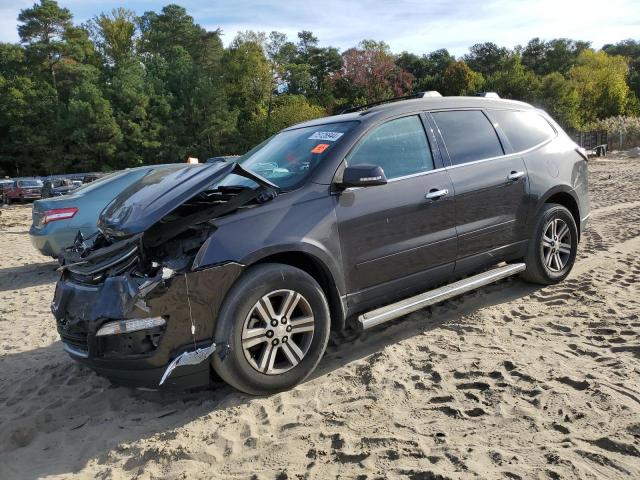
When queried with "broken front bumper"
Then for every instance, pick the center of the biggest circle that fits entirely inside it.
(141, 357)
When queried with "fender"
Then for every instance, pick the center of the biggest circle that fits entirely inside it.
(558, 189)
(313, 249)
(316, 251)
(319, 256)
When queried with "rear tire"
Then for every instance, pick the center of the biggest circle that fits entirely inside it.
(552, 249)
(276, 323)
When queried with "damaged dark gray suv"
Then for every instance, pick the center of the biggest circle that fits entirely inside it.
(243, 268)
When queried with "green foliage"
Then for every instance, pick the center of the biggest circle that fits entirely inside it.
(44, 23)
(560, 98)
(427, 70)
(486, 58)
(125, 90)
(287, 110)
(631, 50)
(557, 55)
(460, 79)
(514, 81)
(114, 35)
(600, 80)
(92, 130)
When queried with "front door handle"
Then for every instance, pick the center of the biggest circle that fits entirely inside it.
(435, 194)
(513, 176)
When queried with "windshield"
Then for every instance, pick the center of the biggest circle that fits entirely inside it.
(29, 183)
(288, 157)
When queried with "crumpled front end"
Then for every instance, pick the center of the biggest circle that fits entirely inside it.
(129, 302)
(168, 304)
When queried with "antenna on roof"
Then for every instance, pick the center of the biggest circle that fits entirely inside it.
(429, 94)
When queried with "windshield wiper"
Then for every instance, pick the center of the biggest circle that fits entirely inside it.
(244, 172)
(260, 180)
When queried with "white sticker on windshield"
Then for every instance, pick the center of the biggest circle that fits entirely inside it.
(330, 136)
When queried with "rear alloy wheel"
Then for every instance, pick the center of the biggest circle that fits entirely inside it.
(274, 325)
(552, 249)
(556, 245)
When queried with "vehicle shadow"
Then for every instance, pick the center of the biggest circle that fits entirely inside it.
(46, 397)
(31, 275)
(354, 344)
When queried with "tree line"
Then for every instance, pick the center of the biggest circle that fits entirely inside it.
(123, 90)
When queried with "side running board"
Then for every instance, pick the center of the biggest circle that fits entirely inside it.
(408, 305)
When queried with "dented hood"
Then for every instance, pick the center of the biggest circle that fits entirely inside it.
(157, 194)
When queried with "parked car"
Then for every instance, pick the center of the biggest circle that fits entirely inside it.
(57, 187)
(57, 221)
(91, 177)
(22, 189)
(358, 219)
(4, 184)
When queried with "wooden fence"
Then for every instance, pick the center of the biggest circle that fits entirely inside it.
(618, 141)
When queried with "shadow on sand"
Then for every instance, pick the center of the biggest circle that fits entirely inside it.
(32, 275)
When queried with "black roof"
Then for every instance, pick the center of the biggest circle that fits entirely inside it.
(386, 110)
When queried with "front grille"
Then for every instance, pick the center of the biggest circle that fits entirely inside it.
(77, 341)
(117, 262)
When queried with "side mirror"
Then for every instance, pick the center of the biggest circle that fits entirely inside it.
(363, 176)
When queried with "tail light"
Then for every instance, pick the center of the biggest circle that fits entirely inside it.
(59, 214)
(582, 152)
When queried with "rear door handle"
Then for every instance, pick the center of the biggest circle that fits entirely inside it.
(513, 176)
(436, 194)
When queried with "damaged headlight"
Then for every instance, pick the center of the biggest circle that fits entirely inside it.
(131, 325)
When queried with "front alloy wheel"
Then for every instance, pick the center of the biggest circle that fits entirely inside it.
(275, 325)
(278, 332)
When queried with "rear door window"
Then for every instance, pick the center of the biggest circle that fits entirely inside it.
(524, 130)
(468, 135)
(398, 146)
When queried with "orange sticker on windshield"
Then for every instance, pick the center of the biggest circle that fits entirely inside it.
(321, 147)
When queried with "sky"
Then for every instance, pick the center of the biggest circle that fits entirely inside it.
(415, 26)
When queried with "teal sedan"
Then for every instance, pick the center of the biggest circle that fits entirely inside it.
(57, 221)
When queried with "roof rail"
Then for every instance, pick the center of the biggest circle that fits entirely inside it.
(430, 93)
(488, 95)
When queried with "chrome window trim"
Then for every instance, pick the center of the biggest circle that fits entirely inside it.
(417, 174)
(506, 156)
(449, 167)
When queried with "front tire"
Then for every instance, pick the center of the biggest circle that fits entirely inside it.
(552, 249)
(276, 323)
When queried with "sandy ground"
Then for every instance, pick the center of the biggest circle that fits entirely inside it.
(511, 381)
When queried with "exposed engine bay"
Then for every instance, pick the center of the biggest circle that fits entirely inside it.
(170, 244)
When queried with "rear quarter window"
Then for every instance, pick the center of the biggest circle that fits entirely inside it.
(524, 130)
(468, 135)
